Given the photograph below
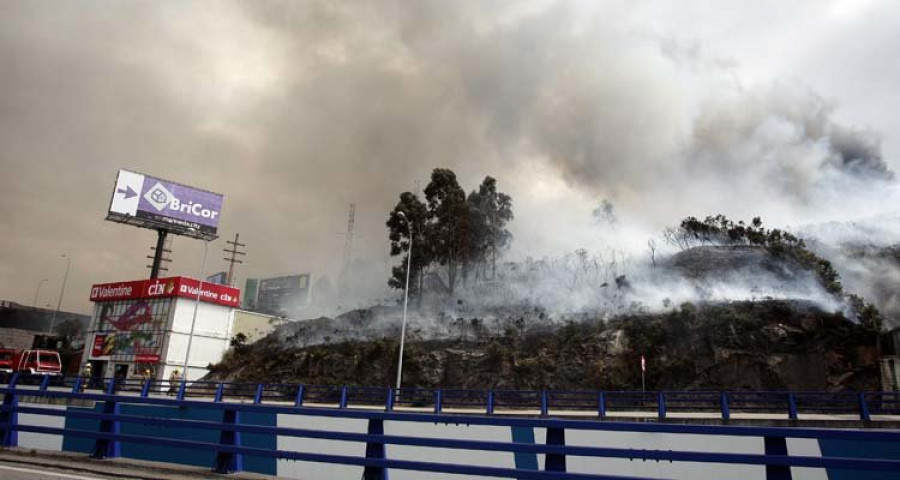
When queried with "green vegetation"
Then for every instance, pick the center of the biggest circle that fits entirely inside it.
(720, 231)
(867, 313)
(461, 234)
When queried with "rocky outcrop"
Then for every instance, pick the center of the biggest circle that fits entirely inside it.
(766, 345)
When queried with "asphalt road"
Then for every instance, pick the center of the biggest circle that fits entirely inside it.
(29, 464)
(10, 471)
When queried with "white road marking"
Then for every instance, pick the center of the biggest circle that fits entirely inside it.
(47, 472)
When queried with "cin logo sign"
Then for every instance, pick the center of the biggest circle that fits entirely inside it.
(156, 289)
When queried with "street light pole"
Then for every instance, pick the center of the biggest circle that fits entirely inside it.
(36, 290)
(405, 300)
(187, 354)
(62, 291)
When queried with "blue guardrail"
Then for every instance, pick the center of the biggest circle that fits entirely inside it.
(234, 427)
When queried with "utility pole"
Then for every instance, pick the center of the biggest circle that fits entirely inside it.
(344, 277)
(161, 258)
(235, 246)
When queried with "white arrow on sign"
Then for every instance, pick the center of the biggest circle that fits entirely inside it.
(127, 194)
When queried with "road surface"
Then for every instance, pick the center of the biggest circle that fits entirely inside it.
(11, 471)
(29, 464)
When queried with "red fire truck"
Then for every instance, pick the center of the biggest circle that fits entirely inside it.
(34, 362)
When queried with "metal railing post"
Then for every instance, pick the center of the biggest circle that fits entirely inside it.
(661, 405)
(220, 390)
(257, 397)
(490, 402)
(601, 404)
(389, 400)
(776, 446)
(181, 390)
(438, 401)
(544, 406)
(229, 462)
(298, 400)
(343, 401)
(555, 462)
(726, 410)
(45, 383)
(864, 408)
(375, 450)
(145, 392)
(109, 424)
(9, 417)
(792, 406)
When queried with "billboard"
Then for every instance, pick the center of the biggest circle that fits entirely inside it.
(279, 294)
(219, 278)
(155, 203)
(251, 289)
(167, 288)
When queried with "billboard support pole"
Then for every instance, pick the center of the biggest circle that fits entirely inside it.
(157, 257)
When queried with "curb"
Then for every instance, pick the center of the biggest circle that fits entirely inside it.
(112, 468)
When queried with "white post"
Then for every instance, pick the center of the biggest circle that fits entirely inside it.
(405, 301)
(62, 291)
(643, 371)
(187, 354)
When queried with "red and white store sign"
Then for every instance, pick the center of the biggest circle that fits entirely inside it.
(167, 287)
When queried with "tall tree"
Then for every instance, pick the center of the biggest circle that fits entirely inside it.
(447, 214)
(410, 226)
(494, 211)
(451, 230)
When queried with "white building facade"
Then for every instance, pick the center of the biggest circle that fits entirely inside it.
(147, 325)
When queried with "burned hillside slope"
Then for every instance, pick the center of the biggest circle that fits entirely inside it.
(718, 262)
(738, 345)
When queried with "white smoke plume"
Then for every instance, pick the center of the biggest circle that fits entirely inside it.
(293, 110)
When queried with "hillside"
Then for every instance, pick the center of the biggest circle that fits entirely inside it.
(718, 262)
(765, 345)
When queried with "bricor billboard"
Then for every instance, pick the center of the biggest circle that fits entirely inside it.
(155, 203)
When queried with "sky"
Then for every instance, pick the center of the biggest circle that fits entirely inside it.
(294, 110)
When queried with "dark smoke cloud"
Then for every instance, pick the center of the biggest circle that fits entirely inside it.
(295, 109)
(858, 153)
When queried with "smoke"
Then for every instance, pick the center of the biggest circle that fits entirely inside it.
(866, 252)
(536, 295)
(858, 154)
(294, 110)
